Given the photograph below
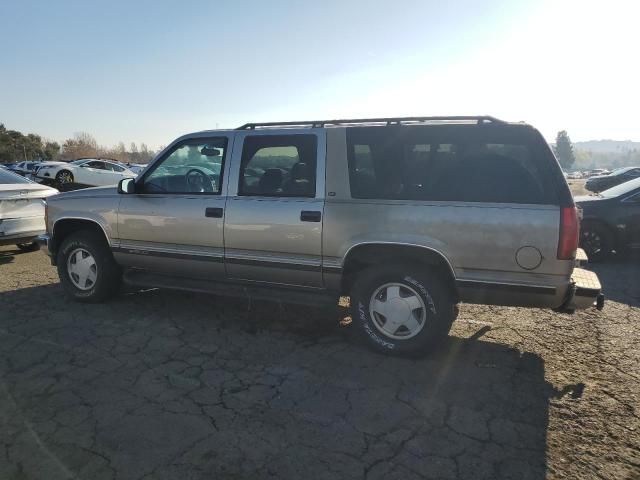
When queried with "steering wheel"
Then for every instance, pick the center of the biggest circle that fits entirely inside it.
(199, 181)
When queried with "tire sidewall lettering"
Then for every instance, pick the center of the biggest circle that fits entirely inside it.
(423, 291)
(369, 331)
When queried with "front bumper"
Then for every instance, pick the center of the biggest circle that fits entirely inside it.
(43, 243)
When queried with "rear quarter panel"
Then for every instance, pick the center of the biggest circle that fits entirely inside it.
(479, 240)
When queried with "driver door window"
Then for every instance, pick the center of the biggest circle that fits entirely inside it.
(192, 167)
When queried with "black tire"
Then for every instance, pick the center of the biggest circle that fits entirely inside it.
(108, 273)
(64, 177)
(596, 240)
(440, 312)
(28, 247)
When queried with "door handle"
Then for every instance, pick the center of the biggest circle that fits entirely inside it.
(213, 212)
(310, 216)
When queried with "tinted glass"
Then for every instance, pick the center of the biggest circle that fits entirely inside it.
(95, 164)
(279, 166)
(194, 166)
(113, 167)
(444, 163)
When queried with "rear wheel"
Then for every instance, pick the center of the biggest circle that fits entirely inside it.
(64, 177)
(28, 247)
(401, 310)
(86, 267)
(596, 240)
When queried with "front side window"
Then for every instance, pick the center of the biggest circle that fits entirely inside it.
(279, 166)
(193, 166)
(447, 164)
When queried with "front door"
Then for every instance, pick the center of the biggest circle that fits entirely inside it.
(173, 224)
(630, 217)
(273, 225)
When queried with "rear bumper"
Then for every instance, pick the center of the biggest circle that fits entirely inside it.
(585, 291)
(22, 237)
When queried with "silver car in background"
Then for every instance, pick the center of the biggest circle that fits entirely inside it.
(21, 210)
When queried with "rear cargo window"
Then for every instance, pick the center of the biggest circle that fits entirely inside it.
(464, 164)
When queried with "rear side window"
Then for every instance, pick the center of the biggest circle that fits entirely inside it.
(449, 163)
(279, 166)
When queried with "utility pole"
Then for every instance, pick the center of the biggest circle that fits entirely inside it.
(25, 152)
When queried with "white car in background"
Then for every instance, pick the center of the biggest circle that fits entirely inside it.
(21, 210)
(93, 172)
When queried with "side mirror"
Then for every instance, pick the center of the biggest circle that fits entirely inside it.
(127, 185)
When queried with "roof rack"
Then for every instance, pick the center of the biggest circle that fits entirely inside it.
(479, 120)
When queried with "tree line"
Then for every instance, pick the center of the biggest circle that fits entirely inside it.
(16, 146)
(574, 158)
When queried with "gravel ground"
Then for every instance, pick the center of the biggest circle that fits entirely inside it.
(159, 384)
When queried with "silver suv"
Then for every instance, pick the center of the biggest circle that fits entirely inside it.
(406, 216)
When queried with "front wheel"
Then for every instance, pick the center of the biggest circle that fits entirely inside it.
(401, 310)
(86, 267)
(64, 177)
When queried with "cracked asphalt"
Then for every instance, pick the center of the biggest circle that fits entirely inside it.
(170, 385)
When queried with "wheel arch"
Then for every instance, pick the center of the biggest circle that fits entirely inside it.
(65, 226)
(367, 254)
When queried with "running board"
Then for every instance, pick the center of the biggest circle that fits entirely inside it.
(250, 291)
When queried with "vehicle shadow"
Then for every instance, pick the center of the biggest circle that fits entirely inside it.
(620, 277)
(7, 256)
(259, 381)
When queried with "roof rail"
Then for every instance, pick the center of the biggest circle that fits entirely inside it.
(482, 119)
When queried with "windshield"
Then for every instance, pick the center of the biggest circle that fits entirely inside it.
(78, 162)
(7, 177)
(621, 189)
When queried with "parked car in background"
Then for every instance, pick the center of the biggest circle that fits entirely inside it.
(621, 175)
(24, 168)
(92, 172)
(610, 220)
(596, 172)
(406, 216)
(21, 209)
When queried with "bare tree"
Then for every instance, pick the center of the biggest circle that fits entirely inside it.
(81, 145)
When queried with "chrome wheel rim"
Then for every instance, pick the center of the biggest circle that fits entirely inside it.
(82, 269)
(64, 177)
(397, 311)
(591, 242)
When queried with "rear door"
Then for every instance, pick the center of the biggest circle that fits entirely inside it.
(273, 225)
(116, 172)
(92, 173)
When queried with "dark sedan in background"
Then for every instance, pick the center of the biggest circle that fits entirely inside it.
(610, 220)
(621, 175)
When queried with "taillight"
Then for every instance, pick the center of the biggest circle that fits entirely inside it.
(569, 232)
(46, 214)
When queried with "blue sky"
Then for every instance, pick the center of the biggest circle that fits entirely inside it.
(148, 71)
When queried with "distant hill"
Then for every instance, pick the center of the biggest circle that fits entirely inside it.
(607, 146)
